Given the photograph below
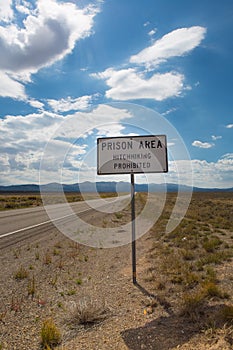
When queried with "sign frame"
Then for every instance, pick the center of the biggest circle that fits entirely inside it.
(147, 151)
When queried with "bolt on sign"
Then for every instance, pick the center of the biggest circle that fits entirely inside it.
(132, 155)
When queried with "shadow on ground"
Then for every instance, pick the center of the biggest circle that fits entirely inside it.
(168, 332)
(162, 301)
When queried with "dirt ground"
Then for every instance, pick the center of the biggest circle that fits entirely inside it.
(182, 299)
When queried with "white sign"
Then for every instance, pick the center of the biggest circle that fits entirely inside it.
(132, 155)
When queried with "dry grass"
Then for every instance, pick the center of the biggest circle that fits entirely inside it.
(32, 287)
(26, 200)
(192, 304)
(87, 311)
(21, 273)
(187, 259)
(227, 313)
(50, 334)
(19, 200)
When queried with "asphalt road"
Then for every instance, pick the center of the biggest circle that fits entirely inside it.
(20, 224)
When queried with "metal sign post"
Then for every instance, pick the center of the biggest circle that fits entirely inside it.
(133, 230)
(132, 155)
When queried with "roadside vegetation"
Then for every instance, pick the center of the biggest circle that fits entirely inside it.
(187, 267)
(58, 290)
(26, 200)
(18, 201)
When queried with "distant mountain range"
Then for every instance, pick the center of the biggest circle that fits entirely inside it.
(107, 187)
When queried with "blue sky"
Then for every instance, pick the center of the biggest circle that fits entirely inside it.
(72, 71)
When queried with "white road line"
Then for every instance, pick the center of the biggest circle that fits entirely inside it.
(37, 225)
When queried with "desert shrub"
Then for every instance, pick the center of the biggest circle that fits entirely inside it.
(119, 215)
(50, 334)
(210, 245)
(187, 254)
(21, 273)
(210, 289)
(32, 287)
(71, 292)
(227, 313)
(191, 279)
(192, 304)
(11, 205)
(211, 274)
(88, 311)
(214, 258)
(47, 258)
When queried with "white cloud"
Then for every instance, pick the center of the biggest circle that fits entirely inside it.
(48, 35)
(175, 43)
(49, 32)
(23, 139)
(205, 174)
(36, 104)
(217, 174)
(115, 130)
(152, 32)
(216, 137)
(133, 83)
(33, 130)
(68, 104)
(128, 84)
(6, 12)
(229, 126)
(201, 144)
(23, 6)
(171, 110)
(11, 88)
(228, 156)
(4, 163)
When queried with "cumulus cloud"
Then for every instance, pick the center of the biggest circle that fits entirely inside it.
(134, 83)
(218, 173)
(23, 6)
(27, 133)
(6, 12)
(129, 84)
(48, 33)
(115, 130)
(205, 174)
(175, 43)
(10, 87)
(23, 140)
(36, 104)
(68, 104)
(228, 156)
(201, 144)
